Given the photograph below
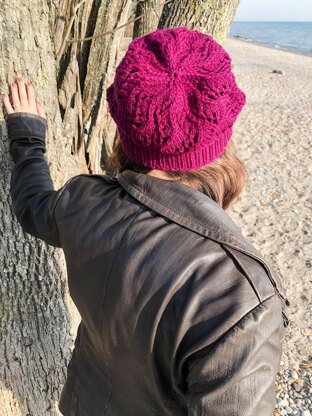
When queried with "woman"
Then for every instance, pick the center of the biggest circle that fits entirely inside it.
(180, 314)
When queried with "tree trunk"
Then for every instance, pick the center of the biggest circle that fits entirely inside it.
(38, 320)
(150, 10)
(213, 17)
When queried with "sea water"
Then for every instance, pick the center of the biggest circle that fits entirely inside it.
(294, 36)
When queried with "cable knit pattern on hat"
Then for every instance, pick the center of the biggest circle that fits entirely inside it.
(174, 99)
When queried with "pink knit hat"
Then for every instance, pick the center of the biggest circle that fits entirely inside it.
(174, 99)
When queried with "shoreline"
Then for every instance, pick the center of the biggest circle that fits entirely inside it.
(270, 46)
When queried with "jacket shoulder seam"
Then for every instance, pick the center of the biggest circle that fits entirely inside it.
(244, 272)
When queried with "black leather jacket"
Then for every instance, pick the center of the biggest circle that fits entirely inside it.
(180, 315)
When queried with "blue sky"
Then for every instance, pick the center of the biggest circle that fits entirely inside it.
(274, 10)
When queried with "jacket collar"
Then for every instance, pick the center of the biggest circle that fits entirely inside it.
(194, 210)
(185, 206)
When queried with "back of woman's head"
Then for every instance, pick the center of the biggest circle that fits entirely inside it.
(175, 100)
(222, 180)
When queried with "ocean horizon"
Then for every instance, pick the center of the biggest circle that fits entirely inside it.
(292, 36)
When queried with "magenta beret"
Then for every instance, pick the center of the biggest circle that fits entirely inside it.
(174, 99)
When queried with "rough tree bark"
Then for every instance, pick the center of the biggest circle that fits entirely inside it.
(38, 321)
(209, 16)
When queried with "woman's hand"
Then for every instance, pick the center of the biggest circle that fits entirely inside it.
(23, 99)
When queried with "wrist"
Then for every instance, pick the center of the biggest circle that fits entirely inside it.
(23, 124)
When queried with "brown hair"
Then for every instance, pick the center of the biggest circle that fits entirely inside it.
(223, 179)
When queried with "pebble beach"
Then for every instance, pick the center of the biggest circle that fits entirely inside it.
(273, 136)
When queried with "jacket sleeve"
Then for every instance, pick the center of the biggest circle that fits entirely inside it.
(236, 375)
(31, 188)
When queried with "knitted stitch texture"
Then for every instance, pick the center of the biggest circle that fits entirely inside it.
(174, 99)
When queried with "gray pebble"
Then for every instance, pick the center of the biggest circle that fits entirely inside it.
(296, 387)
(277, 71)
